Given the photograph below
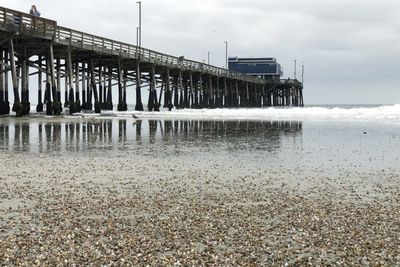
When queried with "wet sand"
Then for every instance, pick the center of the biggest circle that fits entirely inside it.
(139, 210)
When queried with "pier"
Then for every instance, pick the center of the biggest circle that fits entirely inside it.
(82, 71)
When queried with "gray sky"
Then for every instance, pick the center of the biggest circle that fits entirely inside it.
(350, 48)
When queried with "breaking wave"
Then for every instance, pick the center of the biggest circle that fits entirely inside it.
(391, 112)
(345, 113)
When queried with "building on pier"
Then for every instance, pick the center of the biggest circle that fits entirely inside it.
(266, 68)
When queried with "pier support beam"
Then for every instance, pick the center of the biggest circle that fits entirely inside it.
(84, 95)
(17, 106)
(191, 91)
(56, 105)
(181, 85)
(217, 94)
(77, 99)
(101, 87)
(201, 92)
(66, 83)
(121, 104)
(195, 100)
(97, 107)
(70, 87)
(152, 102)
(176, 97)
(109, 103)
(139, 105)
(58, 78)
(104, 103)
(237, 95)
(225, 102)
(26, 106)
(4, 104)
(124, 82)
(211, 97)
(156, 103)
(168, 93)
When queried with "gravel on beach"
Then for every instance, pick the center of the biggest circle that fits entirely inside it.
(139, 211)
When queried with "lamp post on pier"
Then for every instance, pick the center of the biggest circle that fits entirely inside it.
(139, 29)
(226, 54)
(137, 36)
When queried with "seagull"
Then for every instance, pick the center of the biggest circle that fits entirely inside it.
(134, 116)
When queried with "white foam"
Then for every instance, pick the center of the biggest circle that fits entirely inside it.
(307, 113)
(386, 113)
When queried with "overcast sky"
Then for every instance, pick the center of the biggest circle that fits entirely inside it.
(350, 48)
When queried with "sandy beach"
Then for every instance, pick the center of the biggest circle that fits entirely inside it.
(138, 211)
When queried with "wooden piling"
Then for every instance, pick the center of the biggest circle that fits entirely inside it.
(55, 90)
(84, 96)
(201, 91)
(101, 86)
(168, 96)
(58, 78)
(181, 85)
(6, 103)
(124, 84)
(191, 91)
(211, 97)
(17, 106)
(109, 89)
(77, 89)
(25, 83)
(217, 94)
(104, 103)
(225, 98)
(120, 106)
(2, 104)
(156, 106)
(66, 83)
(70, 84)
(97, 107)
(139, 105)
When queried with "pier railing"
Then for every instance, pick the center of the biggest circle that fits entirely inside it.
(23, 23)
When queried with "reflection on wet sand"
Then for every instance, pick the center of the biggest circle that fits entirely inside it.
(119, 134)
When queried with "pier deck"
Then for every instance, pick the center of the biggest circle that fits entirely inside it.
(82, 71)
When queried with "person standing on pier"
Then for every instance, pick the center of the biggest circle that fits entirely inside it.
(34, 11)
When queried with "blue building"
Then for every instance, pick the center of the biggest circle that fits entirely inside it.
(267, 68)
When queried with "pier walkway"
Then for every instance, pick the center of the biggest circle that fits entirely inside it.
(82, 71)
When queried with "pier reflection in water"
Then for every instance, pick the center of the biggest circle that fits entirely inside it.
(124, 135)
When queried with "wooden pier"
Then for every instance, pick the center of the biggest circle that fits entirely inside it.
(82, 71)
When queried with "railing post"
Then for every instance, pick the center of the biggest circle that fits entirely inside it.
(70, 37)
(4, 16)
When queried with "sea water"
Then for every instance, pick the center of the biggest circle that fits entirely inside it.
(329, 140)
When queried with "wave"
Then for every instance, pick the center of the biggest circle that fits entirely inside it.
(391, 112)
(386, 112)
